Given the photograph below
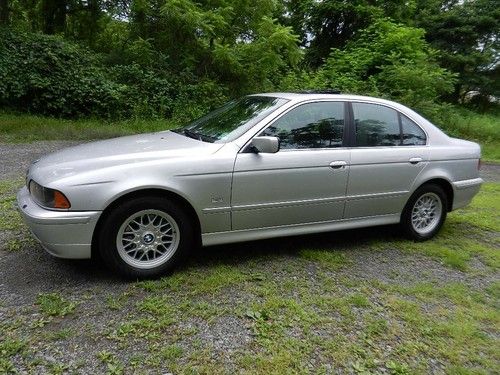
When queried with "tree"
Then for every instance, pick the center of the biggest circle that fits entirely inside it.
(323, 25)
(467, 35)
(389, 60)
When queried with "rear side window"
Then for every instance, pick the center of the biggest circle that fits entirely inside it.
(376, 125)
(312, 125)
(413, 135)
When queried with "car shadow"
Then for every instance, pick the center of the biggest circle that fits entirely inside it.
(343, 241)
(31, 271)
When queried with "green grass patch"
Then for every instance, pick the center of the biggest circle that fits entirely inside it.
(484, 212)
(211, 280)
(481, 128)
(10, 347)
(461, 123)
(467, 233)
(359, 300)
(29, 128)
(329, 258)
(53, 304)
(9, 217)
(11, 222)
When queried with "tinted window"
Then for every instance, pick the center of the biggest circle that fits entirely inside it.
(376, 125)
(233, 119)
(314, 125)
(412, 134)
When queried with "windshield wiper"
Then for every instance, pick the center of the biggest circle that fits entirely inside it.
(191, 134)
(194, 135)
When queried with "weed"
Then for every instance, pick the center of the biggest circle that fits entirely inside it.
(53, 304)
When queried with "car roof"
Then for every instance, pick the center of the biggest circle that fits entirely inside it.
(299, 96)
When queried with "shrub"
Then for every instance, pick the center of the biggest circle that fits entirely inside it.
(47, 75)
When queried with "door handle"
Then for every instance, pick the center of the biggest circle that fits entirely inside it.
(415, 160)
(338, 164)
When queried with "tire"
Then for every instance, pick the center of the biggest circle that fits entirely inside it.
(146, 237)
(424, 213)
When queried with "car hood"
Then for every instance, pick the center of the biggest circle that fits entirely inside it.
(118, 151)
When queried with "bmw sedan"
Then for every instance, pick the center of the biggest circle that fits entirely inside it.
(262, 166)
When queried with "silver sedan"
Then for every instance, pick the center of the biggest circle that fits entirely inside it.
(262, 166)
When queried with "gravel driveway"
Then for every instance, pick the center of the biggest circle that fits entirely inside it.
(26, 273)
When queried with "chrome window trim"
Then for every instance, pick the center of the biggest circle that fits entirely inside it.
(343, 100)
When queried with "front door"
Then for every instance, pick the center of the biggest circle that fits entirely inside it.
(305, 181)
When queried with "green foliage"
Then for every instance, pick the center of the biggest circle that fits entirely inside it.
(460, 122)
(48, 75)
(466, 33)
(388, 60)
(179, 58)
(53, 304)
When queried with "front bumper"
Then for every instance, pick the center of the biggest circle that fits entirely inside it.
(464, 191)
(64, 234)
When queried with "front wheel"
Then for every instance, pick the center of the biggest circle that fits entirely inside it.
(146, 237)
(425, 212)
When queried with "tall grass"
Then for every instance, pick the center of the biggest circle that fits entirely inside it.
(463, 123)
(28, 128)
(457, 122)
(481, 128)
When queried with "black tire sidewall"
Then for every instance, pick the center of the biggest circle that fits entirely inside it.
(114, 220)
(406, 217)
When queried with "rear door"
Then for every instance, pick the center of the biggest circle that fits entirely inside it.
(388, 154)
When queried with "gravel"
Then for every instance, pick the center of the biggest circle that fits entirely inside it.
(16, 157)
(30, 271)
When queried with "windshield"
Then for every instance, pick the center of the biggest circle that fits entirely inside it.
(231, 120)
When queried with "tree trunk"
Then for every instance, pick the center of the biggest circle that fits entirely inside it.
(4, 12)
(95, 12)
(54, 16)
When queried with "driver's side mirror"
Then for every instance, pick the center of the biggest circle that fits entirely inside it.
(267, 145)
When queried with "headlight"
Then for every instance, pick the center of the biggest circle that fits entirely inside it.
(46, 197)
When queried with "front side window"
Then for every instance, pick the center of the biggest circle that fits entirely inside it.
(376, 125)
(313, 125)
(413, 135)
(232, 120)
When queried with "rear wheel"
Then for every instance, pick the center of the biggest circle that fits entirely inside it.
(146, 237)
(425, 212)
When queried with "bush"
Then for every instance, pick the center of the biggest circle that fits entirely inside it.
(47, 75)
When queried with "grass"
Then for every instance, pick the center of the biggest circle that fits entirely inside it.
(10, 221)
(9, 218)
(482, 128)
(478, 224)
(290, 306)
(29, 128)
(53, 304)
